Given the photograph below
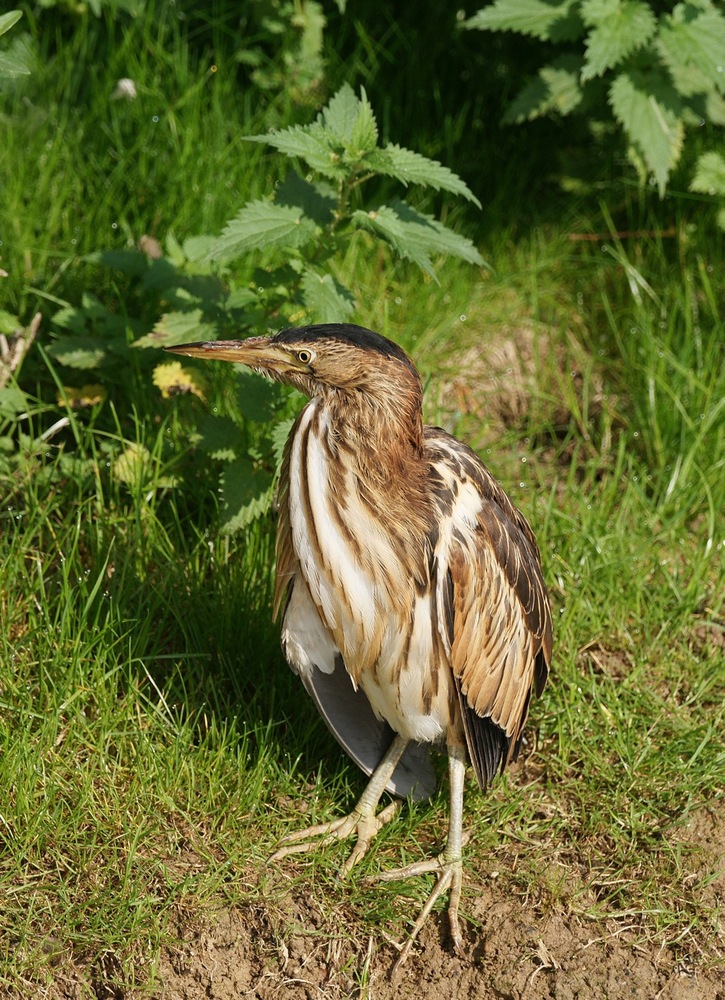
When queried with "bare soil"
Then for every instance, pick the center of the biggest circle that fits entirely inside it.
(300, 944)
(299, 952)
(301, 939)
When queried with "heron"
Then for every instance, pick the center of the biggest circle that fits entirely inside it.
(414, 608)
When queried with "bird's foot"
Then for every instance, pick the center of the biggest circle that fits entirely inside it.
(449, 869)
(362, 820)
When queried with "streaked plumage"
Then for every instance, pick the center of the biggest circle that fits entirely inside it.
(414, 602)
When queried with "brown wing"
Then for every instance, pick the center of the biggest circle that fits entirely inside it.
(493, 608)
(286, 561)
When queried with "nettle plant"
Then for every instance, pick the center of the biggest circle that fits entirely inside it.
(294, 238)
(654, 73)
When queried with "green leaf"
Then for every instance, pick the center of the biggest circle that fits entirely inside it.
(342, 115)
(246, 493)
(317, 201)
(325, 299)
(219, 437)
(553, 20)
(280, 433)
(17, 59)
(415, 236)
(178, 328)
(262, 224)
(413, 168)
(130, 262)
(555, 90)
(713, 109)
(198, 248)
(344, 131)
(710, 174)
(312, 143)
(691, 43)
(12, 401)
(650, 112)
(364, 135)
(8, 322)
(258, 400)
(82, 352)
(91, 315)
(11, 66)
(9, 19)
(620, 28)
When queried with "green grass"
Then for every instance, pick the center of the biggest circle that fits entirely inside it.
(154, 745)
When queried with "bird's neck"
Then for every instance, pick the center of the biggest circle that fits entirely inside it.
(380, 438)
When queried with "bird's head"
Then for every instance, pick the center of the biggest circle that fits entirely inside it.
(318, 359)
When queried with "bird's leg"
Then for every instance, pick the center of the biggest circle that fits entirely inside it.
(362, 820)
(448, 865)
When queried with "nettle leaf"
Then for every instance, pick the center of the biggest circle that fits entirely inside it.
(713, 109)
(82, 352)
(620, 28)
(691, 43)
(325, 299)
(413, 168)
(364, 135)
(280, 434)
(219, 437)
(178, 328)
(545, 19)
(13, 401)
(650, 111)
(131, 262)
(197, 248)
(246, 493)
(710, 175)
(347, 114)
(556, 89)
(346, 129)
(161, 275)
(91, 315)
(312, 143)
(415, 236)
(258, 400)
(262, 224)
(317, 201)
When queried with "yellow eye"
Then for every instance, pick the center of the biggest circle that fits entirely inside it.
(305, 357)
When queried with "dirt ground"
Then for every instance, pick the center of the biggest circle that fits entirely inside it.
(294, 950)
(299, 942)
(511, 955)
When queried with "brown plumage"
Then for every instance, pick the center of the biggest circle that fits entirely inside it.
(415, 610)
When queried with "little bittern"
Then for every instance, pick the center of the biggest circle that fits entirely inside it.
(415, 610)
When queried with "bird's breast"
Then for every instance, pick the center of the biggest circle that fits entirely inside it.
(356, 566)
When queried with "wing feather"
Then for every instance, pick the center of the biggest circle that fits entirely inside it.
(286, 560)
(493, 608)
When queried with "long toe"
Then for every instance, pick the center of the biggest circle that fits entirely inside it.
(450, 875)
(362, 822)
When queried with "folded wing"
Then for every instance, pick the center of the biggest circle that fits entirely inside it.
(492, 605)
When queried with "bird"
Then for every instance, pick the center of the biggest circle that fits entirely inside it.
(411, 589)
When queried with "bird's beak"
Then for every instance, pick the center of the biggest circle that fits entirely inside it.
(256, 352)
